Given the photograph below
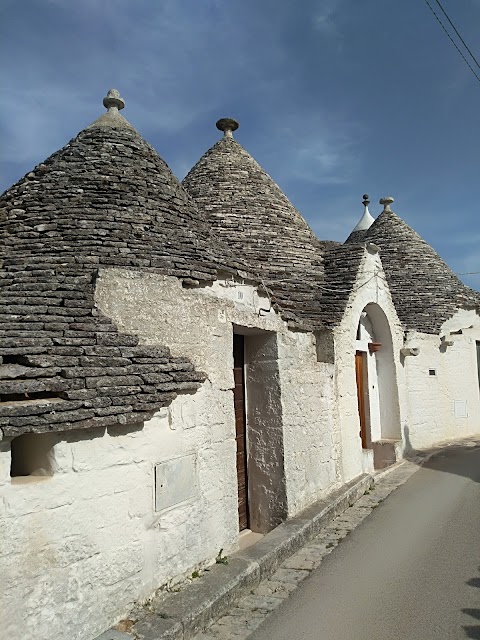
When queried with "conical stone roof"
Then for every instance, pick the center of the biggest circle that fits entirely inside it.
(109, 197)
(105, 199)
(424, 289)
(248, 210)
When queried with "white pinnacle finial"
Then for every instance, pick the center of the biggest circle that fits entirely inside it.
(227, 125)
(386, 203)
(367, 219)
(113, 100)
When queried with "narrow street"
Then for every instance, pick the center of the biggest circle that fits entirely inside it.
(410, 571)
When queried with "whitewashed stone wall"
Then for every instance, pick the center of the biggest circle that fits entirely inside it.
(371, 289)
(198, 323)
(96, 536)
(447, 404)
(89, 541)
(311, 435)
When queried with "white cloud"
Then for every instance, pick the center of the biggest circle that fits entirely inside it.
(467, 266)
(466, 238)
(33, 121)
(157, 54)
(322, 160)
(322, 149)
(325, 18)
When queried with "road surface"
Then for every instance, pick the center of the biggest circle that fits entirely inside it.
(410, 571)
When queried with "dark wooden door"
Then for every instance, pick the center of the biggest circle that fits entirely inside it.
(241, 429)
(359, 371)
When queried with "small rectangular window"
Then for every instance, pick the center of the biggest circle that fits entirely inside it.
(432, 372)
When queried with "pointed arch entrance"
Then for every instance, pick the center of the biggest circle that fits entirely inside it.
(377, 390)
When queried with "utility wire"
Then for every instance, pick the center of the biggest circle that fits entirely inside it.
(453, 41)
(456, 31)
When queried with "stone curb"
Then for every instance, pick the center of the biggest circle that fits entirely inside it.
(181, 615)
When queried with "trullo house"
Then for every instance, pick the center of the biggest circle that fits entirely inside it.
(179, 364)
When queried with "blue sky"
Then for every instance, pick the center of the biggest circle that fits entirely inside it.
(335, 98)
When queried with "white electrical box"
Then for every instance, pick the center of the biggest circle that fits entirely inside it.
(175, 481)
(460, 408)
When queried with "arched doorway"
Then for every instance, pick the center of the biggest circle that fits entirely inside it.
(377, 391)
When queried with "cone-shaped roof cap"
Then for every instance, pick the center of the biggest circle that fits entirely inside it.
(248, 210)
(365, 222)
(425, 290)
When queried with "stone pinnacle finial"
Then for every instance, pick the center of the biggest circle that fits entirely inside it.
(367, 219)
(227, 125)
(386, 203)
(113, 99)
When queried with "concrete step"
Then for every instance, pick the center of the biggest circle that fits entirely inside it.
(386, 452)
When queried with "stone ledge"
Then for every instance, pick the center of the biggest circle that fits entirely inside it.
(180, 616)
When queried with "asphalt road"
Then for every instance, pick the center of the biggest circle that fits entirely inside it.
(410, 571)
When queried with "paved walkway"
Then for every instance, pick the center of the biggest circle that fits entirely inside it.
(251, 611)
(394, 576)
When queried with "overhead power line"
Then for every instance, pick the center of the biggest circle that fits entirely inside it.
(452, 40)
(456, 31)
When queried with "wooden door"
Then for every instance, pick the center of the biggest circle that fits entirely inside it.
(359, 371)
(241, 429)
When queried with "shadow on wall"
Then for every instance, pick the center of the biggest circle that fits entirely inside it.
(408, 450)
(473, 631)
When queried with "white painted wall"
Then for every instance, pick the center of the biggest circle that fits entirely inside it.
(431, 398)
(198, 323)
(79, 547)
(371, 289)
(88, 540)
(311, 435)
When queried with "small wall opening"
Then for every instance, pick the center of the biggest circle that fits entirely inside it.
(325, 345)
(32, 455)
